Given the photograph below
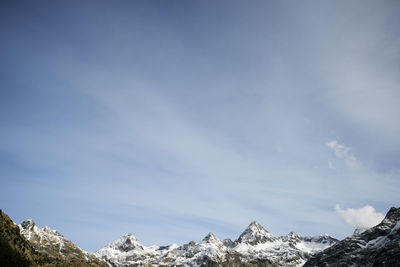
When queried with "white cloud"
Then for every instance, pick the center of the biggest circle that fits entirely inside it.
(365, 217)
(343, 152)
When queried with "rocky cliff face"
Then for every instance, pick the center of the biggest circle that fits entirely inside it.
(49, 242)
(254, 247)
(14, 248)
(39, 247)
(377, 246)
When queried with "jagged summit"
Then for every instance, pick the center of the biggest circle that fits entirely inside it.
(255, 225)
(45, 235)
(255, 234)
(15, 250)
(211, 238)
(291, 237)
(128, 251)
(377, 246)
(125, 238)
(28, 224)
(126, 243)
(393, 214)
(54, 245)
(129, 235)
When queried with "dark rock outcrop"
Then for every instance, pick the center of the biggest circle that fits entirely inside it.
(17, 251)
(377, 246)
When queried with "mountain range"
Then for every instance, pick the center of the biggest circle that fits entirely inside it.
(254, 247)
(29, 245)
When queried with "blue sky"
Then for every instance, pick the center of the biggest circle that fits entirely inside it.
(170, 119)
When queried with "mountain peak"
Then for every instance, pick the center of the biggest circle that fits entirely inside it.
(28, 224)
(292, 236)
(52, 244)
(127, 242)
(211, 238)
(393, 214)
(255, 224)
(255, 234)
(129, 236)
(391, 219)
(255, 227)
(378, 245)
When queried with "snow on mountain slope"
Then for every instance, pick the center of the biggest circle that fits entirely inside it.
(255, 234)
(128, 251)
(254, 246)
(195, 253)
(290, 250)
(45, 236)
(377, 246)
(52, 243)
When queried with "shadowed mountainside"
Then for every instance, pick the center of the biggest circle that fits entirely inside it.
(17, 251)
(377, 246)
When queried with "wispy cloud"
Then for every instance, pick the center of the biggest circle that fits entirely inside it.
(365, 217)
(343, 152)
(330, 165)
(195, 122)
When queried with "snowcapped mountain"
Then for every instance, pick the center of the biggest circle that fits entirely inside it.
(290, 250)
(377, 246)
(359, 231)
(254, 247)
(255, 234)
(127, 251)
(52, 243)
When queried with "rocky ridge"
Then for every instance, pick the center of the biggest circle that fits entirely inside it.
(29, 245)
(51, 243)
(254, 247)
(16, 250)
(377, 246)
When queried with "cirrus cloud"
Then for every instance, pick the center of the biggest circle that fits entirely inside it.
(343, 152)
